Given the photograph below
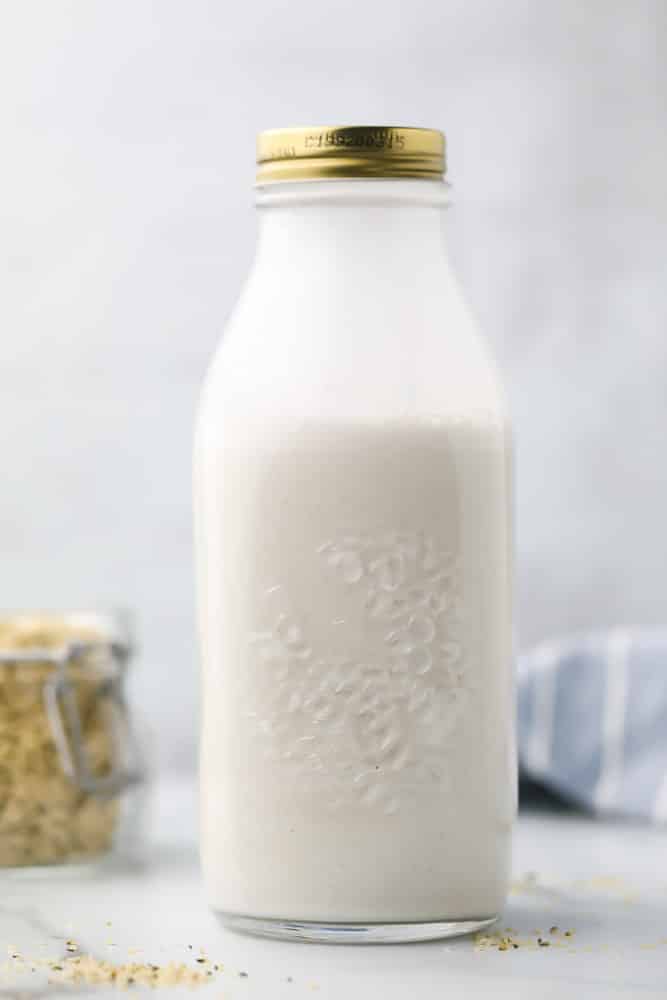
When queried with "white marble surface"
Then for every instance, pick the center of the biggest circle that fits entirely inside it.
(607, 882)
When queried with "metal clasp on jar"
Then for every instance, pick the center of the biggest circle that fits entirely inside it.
(63, 714)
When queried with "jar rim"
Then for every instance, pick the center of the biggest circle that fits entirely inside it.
(106, 631)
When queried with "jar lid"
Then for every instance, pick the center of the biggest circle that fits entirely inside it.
(50, 636)
(295, 154)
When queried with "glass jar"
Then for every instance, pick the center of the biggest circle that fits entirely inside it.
(70, 766)
(352, 500)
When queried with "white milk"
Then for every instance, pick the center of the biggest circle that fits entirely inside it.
(352, 502)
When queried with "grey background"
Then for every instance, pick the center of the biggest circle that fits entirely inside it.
(126, 226)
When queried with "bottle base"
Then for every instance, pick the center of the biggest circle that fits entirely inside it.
(353, 933)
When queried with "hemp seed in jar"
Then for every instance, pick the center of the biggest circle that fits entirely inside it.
(68, 758)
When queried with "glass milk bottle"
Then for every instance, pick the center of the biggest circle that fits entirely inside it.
(352, 497)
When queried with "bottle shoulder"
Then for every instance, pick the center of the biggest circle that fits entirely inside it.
(302, 350)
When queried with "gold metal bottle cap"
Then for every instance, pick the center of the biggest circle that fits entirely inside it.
(296, 154)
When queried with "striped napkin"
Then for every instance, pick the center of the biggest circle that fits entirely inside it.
(592, 720)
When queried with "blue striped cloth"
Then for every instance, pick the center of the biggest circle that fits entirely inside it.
(592, 721)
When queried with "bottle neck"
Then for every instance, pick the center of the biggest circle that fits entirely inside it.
(351, 297)
(370, 228)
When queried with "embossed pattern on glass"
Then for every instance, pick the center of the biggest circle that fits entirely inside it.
(374, 732)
